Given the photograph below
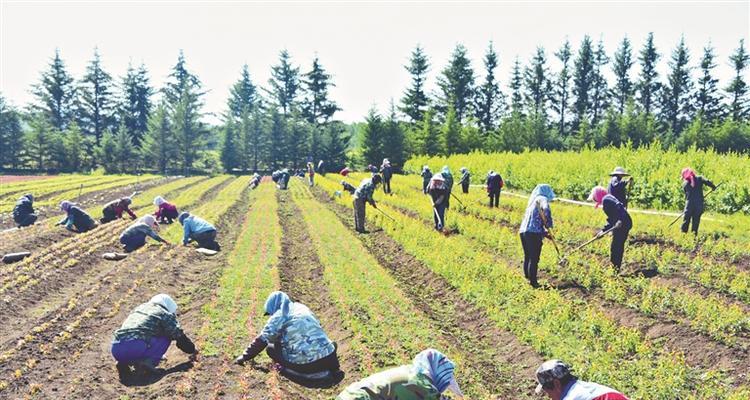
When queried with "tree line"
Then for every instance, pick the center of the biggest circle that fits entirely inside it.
(571, 108)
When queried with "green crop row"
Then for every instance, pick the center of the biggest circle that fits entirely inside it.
(42, 187)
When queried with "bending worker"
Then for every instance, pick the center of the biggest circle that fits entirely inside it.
(363, 195)
(427, 378)
(693, 188)
(76, 217)
(134, 236)
(537, 220)
(198, 230)
(167, 212)
(23, 211)
(558, 383)
(439, 196)
(114, 209)
(618, 221)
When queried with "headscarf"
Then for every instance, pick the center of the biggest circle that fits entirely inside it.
(425, 168)
(126, 201)
(386, 162)
(158, 200)
(65, 205)
(597, 195)
(463, 169)
(183, 215)
(438, 368)
(29, 196)
(165, 301)
(689, 175)
(150, 221)
(278, 301)
(446, 170)
(541, 189)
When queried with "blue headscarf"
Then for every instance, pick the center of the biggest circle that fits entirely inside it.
(541, 189)
(437, 366)
(278, 301)
(446, 170)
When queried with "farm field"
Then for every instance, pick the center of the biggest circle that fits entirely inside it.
(674, 325)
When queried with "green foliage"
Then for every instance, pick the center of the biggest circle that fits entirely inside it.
(456, 84)
(159, 144)
(97, 111)
(55, 94)
(135, 106)
(414, 103)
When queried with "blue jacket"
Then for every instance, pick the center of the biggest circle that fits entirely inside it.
(615, 211)
(532, 220)
(617, 188)
(301, 337)
(193, 224)
(78, 218)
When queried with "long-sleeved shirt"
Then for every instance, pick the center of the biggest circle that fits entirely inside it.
(465, 178)
(150, 320)
(615, 211)
(401, 383)
(387, 171)
(78, 218)
(365, 190)
(139, 229)
(532, 219)
(694, 194)
(581, 390)
(438, 196)
(165, 207)
(299, 333)
(23, 208)
(494, 182)
(193, 224)
(119, 206)
(618, 188)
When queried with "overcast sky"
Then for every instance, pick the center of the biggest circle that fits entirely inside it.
(363, 45)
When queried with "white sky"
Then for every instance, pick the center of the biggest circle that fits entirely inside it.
(364, 45)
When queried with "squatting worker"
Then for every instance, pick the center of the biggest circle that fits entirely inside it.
(618, 220)
(537, 220)
(114, 209)
(166, 212)
(76, 218)
(23, 211)
(694, 203)
(134, 236)
(557, 382)
(146, 334)
(426, 378)
(198, 230)
(618, 186)
(294, 339)
(363, 195)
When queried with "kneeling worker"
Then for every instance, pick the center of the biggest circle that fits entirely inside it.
(114, 209)
(198, 230)
(558, 383)
(134, 236)
(23, 212)
(76, 217)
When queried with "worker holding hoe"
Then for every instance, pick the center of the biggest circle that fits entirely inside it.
(75, 217)
(134, 236)
(114, 209)
(555, 380)
(439, 196)
(198, 230)
(446, 173)
(23, 211)
(294, 339)
(166, 212)
(618, 222)
(363, 195)
(537, 220)
(694, 202)
(494, 187)
(465, 180)
(145, 336)
(428, 376)
(426, 176)
(618, 186)
(387, 172)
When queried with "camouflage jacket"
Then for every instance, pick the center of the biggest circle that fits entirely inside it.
(365, 190)
(146, 321)
(400, 383)
(299, 333)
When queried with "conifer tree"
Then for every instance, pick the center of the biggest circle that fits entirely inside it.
(159, 144)
(97, 112)
(737, 89)
(451, 134)
(184, 98)
(414, 102)
(707, 100)
(285, 84)
(229, 154)
(456, 84)
(538, 86)
(278, 139)
(318, 107)
(562, 88)
(11, 135)
(583, 81)
(676, 101)
(599, 92)
(648, 85)
(55, 94)
(393, 139)
(243, 95)
(135, 105)
(489, 97)
(623, 88)
(372, 137)
(516, 85)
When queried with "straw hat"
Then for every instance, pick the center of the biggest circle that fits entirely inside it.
(619, 171)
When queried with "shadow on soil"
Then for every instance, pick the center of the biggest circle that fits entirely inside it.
(133, 380)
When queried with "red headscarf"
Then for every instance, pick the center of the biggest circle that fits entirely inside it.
(597, 195)
(689, 175)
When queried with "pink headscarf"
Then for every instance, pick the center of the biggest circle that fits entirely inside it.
(65, 205)
(689, 175)
(597, 195)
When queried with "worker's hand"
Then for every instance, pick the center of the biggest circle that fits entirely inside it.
(600, 234)
(548, 235)
(374, 205)
(618, 225)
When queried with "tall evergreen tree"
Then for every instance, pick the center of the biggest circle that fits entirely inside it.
(583, 81)
(415, 101)
(623, 88)
(285, 83)
(184, 98)
(429, 140)
(562, 88)
(135, 105)
(489, 97)
(707, 100)
(11, 135)
(450, 137)
(255, 139)
(737, 89)
(516, 85)
(318, 107)
(243, 96)
(335, 146)
(159, 144)
(538, 87)
(97, 112)
(393, 139)
(457, 84)
(56, 94)
(38, 140)
(229, 154)
(372, 138)
(676, 101)
(600, 92)
(648, 85)
(277, 139)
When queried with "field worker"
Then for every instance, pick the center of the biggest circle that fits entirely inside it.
(363, 195)
(146, 334)
(294, 339)
(693, 188)
(344, 172)
(426, 176)
(534, 228)
(438, 195)
(465, 180)
(198, 230)
(387, 172)
(114, 209)
(373, 169)
(284, 177)
(275, 176)
(558, 383)
(494, 187)
(348, 187)
(322, 168)
(76, 217)
(254, 181)
(617, 218)
(311, 173)
(134, 236)
(446, 173)
(426, 378)
(618, 186)
(166, 212)
(23, 211)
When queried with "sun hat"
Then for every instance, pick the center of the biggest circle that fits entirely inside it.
(165, 301)
(619, 171)
(549, 371)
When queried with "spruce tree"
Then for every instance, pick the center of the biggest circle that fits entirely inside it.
(583, 81)
(335, 145)
(372, 138)
(256, 140)
(600, 92)
(55, 94)
(706, 99)
(648, 85)
(277, 139)
(243, 96)
(429, 140)
(456, 83)
(737, 89)
(393, 139)
(318, 108)
(562, 88)
(415, 101)
(516, 85)
(159, 144)
(623, 88)
(538, 87)
(450, 136)
(184, 98)
(75, 148)
(489, 97)
(285, 84)
(11, 135)
(676, 101)
(37, 140)
(229, 154)
(97, 112)
(135, 105)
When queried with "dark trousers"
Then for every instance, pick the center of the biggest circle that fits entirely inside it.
(25, 220)
(465, 187)
(424, 186)
(494, 199)
(206, 239)
(133, 242)
(438, 215)
(136, 350)
(327, 363)
(617, 248)
(693, 216)
(108, 215)
(85, 225)
(168, 216)
(532, 249)
(386, 185)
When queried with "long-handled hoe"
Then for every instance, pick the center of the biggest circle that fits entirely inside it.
(683, 213)
(563, 259)
(463, 206)
(549, 232)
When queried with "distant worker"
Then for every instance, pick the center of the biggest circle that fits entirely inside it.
(275, 176)
(439, 197)
(618, 186)
(387, 171)
(345, 171)
(145, 336)
(114, 209)
(618, 220)
(293, 338)
(363, 195)
(555, 379)
(134, 236)
(198, 230)
(282, 179)
(495, 185)
(426, 176)
(446, 173)
(428, 376)
(166, 212)
(694, 203)
(311, 173)
(254, 181)
(322, 168)
(348, 187)
(534, 228)
(23, 211)
(465, 180)
(76, 218)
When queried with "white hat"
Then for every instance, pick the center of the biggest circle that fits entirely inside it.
(619, 171)
(165, 301)
(149, 220)
(158, 200)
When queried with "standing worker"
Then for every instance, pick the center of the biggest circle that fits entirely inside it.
(363, 195)
(465, 180)
(534, 228)
(618, 220)
(387, 172)
(618, 186)
(23, 211)
(76, 217)
(166, 212)
(311, 173)
(428, 376)
(134, 236)
(446, 173)
(439, 196)
(694, 204)
(294, 339)
(198, 230)
(146, 334)
(426, 176)
(114, 209)
(558, 383)
(494, 187)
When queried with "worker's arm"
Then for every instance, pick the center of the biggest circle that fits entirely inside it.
(186, 233)
(130, 212)
(709, 183)
(69, 222)
(156, 236)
